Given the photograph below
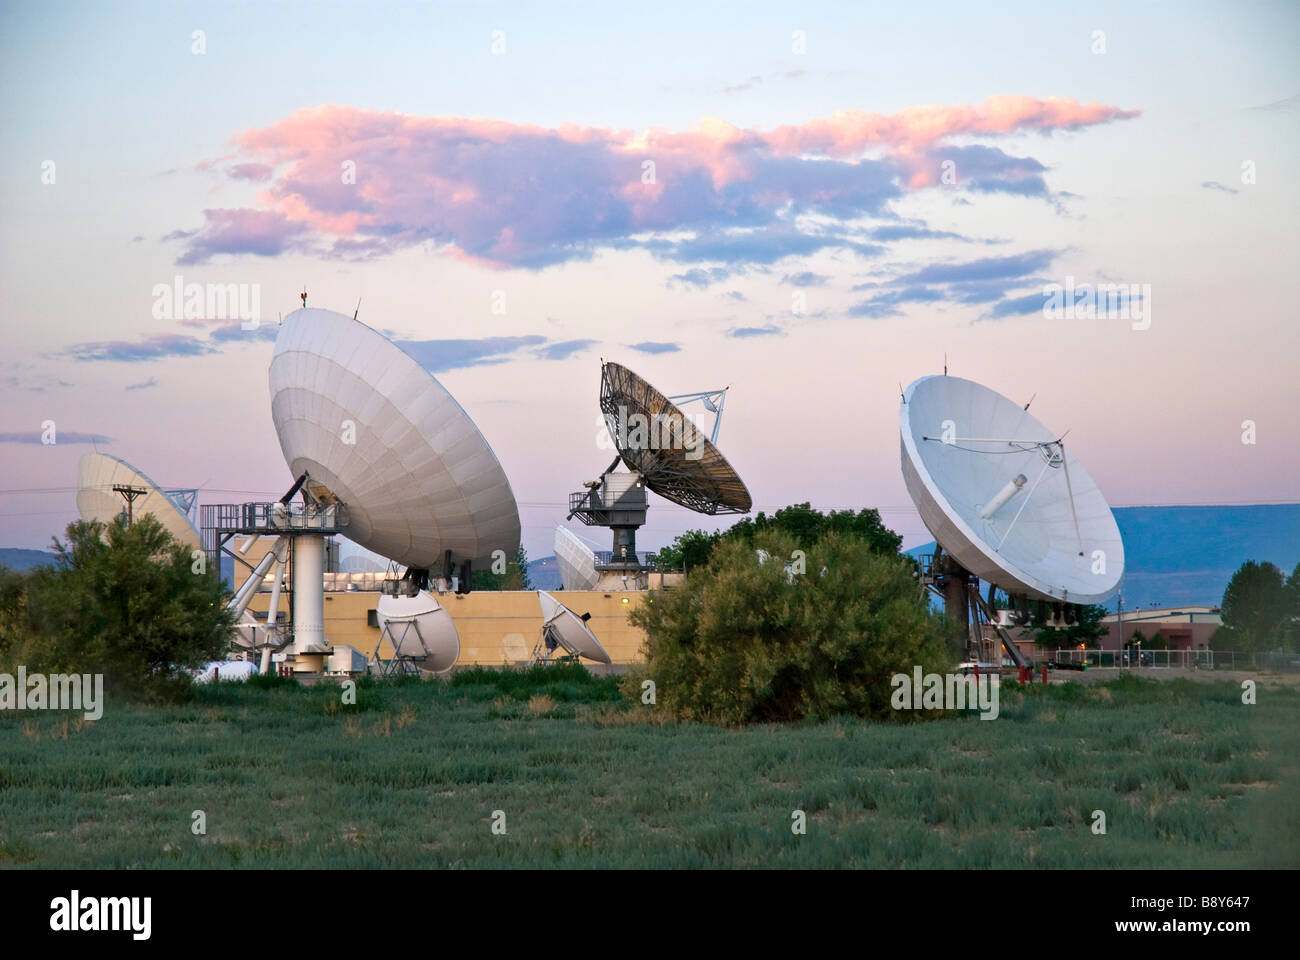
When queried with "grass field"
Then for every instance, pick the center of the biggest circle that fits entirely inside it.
(411, 776)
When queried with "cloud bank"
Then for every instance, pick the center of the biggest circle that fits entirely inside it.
(61, 436)
(354, 183)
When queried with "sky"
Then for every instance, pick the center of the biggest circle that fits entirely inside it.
(813, 205)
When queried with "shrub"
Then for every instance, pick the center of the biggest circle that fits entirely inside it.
(127, 603)
(14, 632)
(744, 641)
(694, 547)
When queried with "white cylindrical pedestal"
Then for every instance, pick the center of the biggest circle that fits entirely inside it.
(308, 595)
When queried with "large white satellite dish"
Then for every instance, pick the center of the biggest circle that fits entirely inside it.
(576, 560)
(374, 430)
(98, 473)
(1004, 497)
(568, 630)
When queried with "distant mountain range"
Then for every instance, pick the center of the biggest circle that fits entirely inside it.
(1175, 556)
(1185, 556)
(16, 558)
(544, 574)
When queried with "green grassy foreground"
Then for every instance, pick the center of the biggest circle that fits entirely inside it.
(409, 777)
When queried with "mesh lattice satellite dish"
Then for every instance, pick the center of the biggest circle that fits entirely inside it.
(98, 474)
(561, 627)
(1006, 503)
(676, 460)
(576, 560)
(663, 451)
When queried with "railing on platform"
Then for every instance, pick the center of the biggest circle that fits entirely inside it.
(270, 518)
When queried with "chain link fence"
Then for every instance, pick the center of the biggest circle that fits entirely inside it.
(1198, 659)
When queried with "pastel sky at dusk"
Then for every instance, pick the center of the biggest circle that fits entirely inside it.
(798, 241)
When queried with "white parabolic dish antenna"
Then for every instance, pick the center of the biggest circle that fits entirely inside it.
(1003, 496)
(421, 628)
(97, 500)
(370, 425)
(576, 560)
(570, 629)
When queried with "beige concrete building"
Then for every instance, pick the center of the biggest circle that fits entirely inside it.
(496, 627)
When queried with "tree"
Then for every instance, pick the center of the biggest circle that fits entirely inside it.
(800, 521)
(127, 602)
(1255, 609)
(515, 576)
(1291, 623)
(14, 633)
(688, 551)
(520, 573)
(807, 526)
(745, 641)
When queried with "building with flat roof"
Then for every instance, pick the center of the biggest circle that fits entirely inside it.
(1163, 628)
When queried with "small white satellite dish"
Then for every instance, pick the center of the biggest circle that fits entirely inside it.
(1004, 497)
(576, 560)
(421, 631)
(98, 473)
(563, 627)
(224, 671)
(764, 556)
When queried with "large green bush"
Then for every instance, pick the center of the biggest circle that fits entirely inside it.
(744, 641)
(694, 547)
(127, 602)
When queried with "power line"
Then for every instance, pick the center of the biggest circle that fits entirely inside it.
(563, 504)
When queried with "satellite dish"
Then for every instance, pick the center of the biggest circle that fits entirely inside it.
(372, 429)
(676, 459)
(1003, 496)
(98, 474)
(663, 451)
(421, 631)
(563, 627)
(576, 560)
(764, 557)
(224, 671)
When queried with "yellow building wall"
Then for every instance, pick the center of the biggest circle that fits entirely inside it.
(496, 626)
(253, 557)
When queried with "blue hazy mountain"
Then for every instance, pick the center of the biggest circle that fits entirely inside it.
(1175, 556)
(1185, 556)
(544, 574)
(16, 558)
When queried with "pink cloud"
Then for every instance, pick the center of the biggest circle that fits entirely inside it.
(265, 232)
(365, 182)
(850, 131)
(250, 171)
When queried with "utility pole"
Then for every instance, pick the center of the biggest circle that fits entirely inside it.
(1123, 647)
(129, 494)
